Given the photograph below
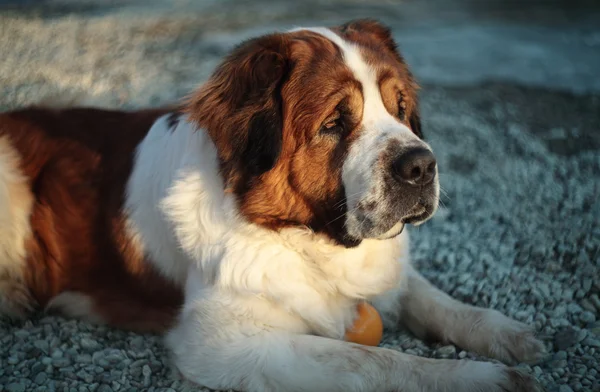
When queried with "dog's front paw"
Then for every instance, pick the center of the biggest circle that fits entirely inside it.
(474, 376)
(497, 336)
(518, 381)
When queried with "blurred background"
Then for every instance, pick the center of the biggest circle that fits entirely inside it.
(510, 102)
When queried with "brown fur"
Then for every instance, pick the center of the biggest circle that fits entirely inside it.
(77, 162)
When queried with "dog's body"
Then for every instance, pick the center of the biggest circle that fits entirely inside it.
(250, 223)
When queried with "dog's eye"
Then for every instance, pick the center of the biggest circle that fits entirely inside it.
(332, 125)
(401, 108)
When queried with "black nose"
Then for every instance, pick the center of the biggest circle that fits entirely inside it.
(415, 166)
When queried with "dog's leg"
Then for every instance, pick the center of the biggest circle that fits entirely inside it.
(430, 313)
(223, 349)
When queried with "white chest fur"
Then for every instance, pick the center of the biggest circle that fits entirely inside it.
(190, 228)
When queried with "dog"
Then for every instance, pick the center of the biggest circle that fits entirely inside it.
(247, 222)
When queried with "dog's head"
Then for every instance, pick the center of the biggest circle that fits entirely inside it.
(320, 127)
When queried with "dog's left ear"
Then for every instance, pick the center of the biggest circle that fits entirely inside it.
(240, 106)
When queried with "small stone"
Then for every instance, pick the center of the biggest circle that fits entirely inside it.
(577, 386)
(61, 362)
(446, 352)
(594, 299)
(587, 317)
(40, 378)
(41, 345)
(85, 376)
(15, 387)
(564, 388)
(84, 358)
(574, 308)
(88, 344)
(37, 367)
(565, 338)
(594, 328)
(146, 372)
(559, 322)
(137, 343)
(590, 342)
(104, 388)
(560, 355)
(462, 354)
(537, 371)
(560, 311)
(587, 305)
(581, 335)
(22, 334)
(558, 364)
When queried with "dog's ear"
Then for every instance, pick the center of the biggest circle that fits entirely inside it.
(372, 29)
(240, 106)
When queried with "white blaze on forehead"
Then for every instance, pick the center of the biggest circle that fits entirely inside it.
(362, 176)
(375, 116)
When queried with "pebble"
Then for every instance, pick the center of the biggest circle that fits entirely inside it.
(595, 300)
(146, 372)
(446, 352)
(88, 344)
(587, 305)
(42, 345)
(558, 364)
(61, 362)
(85, 376)
(16, 387)
(560, 355)
(22, 334)
(565, 388)
(587, 317)
(589, 341)
(40, 378)
(565, 338)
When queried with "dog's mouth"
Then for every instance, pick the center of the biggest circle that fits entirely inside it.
(419, 214)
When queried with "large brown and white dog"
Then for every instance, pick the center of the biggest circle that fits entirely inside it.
(249, 223)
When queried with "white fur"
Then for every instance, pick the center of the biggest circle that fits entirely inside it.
(15, 208)
(74, 304)
(267, 311)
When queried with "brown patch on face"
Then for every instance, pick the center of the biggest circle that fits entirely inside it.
(77, 163)
(264, 108)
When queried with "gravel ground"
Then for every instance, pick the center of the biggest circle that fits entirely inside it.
(511, 105)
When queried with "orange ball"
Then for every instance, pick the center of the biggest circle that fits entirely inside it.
(367, 328)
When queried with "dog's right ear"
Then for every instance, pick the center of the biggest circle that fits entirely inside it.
(240, 106)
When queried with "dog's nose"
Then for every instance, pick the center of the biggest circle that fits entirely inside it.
(415, 167)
